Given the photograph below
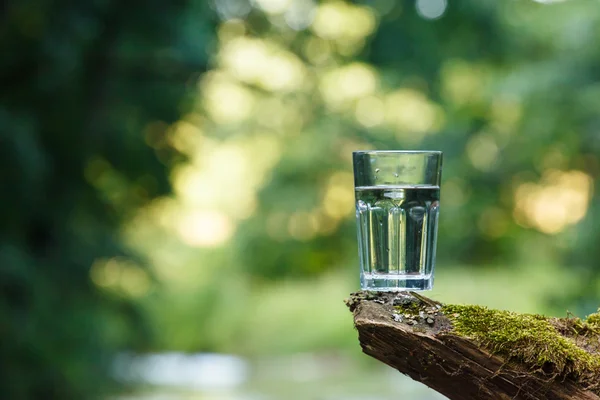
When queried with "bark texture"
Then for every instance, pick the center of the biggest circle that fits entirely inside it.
(424, 346)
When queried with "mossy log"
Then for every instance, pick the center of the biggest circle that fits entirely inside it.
(471, 352)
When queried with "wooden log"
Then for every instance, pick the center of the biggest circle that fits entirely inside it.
(426, 340)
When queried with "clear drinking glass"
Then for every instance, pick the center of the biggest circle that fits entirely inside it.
(397, 207)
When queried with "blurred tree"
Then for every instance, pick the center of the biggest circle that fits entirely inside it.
(507, 97)
(284, 92)
(507, 90)
(87, 91)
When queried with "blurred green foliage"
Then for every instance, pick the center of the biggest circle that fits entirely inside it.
(250, 111)
(507, 90)
(81, 84)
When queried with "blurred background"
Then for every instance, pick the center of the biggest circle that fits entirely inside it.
(177, 195)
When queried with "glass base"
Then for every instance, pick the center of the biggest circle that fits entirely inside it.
(395, 283)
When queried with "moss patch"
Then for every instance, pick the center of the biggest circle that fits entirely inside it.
(411, 309)
(530, 339)
(594, 320)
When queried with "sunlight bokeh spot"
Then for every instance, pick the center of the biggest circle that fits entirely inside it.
(285, 118)
(303, 226)
(505, 116)
(244, 58)
(262, 63)
(350, 48)
(326, 224)
(348, 83)
(482, 151)
(431, 9)
(370, 111)
(184, 137)
(338, 201)
(228, 9)
(337, 20)
(111, 185)
(286, 72)
(300, 14)
(134, 280)
(271, 112)
(273, 6)
(105, 273)
(226, 176)
(317, 50)
(412, 113)
(560, 199)
(205, 228)
(339, 196)
(162, 212)
(118, 274)
(462, 83)
(225, 100)
(190, 182)
(342, 178)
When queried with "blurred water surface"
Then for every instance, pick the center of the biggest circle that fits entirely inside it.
(176, 376)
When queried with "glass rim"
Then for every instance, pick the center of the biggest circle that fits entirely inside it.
(397, 152)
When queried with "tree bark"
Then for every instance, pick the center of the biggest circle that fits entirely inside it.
(454, 366)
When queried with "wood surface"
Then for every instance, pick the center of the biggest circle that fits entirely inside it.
(454, 366)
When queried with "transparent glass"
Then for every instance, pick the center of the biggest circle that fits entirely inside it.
(397, 208)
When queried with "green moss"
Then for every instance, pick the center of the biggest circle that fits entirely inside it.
(594, 319)
(530, 339)
(411, 309)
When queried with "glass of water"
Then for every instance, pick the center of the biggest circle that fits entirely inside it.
(397, 207)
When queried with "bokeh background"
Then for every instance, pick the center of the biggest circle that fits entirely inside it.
(177, 196)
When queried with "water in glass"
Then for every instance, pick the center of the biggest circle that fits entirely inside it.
(397, 232)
